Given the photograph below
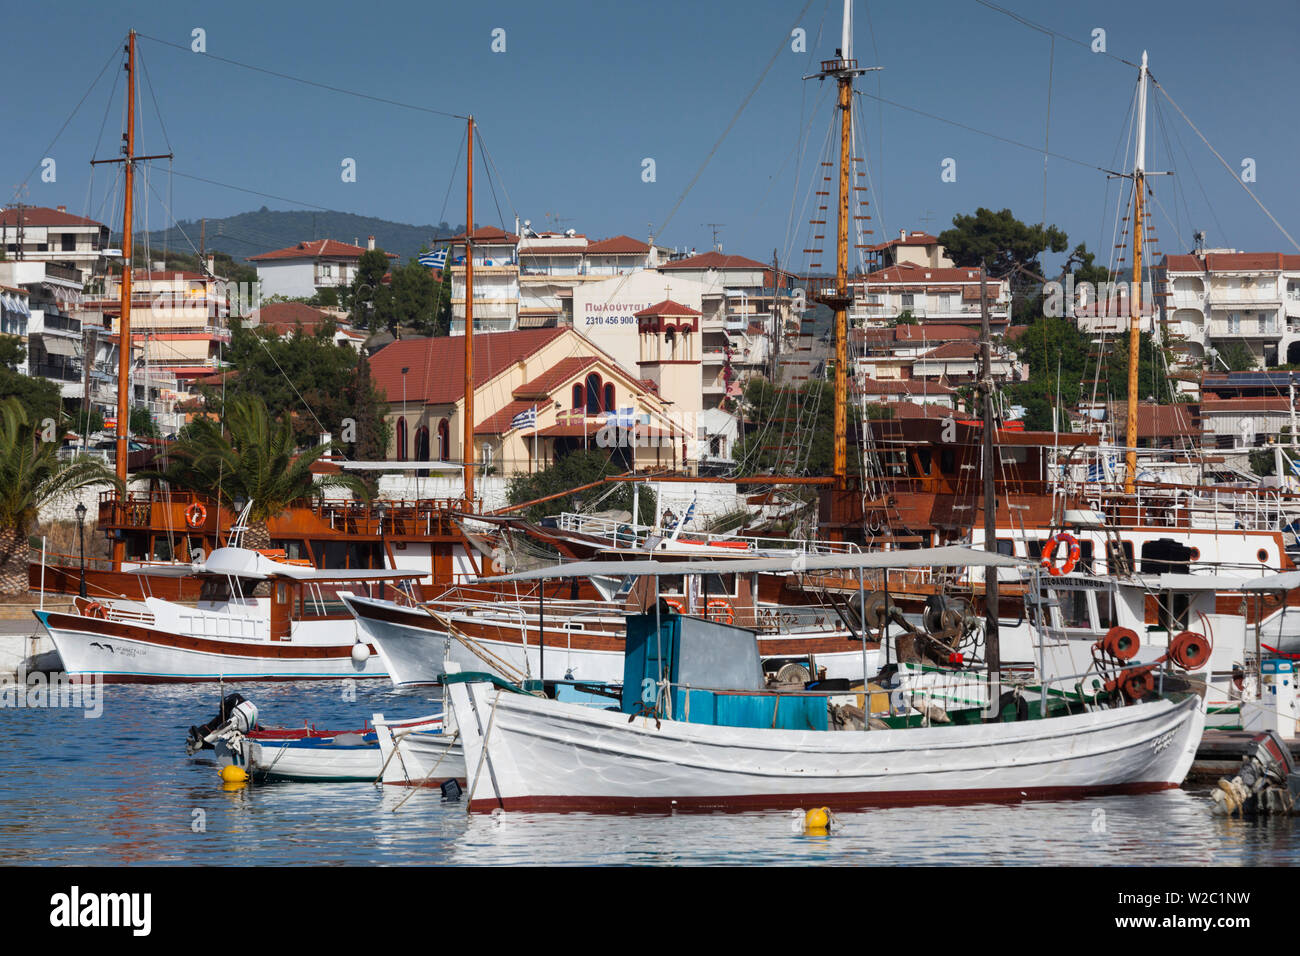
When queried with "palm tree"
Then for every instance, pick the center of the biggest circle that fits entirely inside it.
(31, 476)
(251, 457)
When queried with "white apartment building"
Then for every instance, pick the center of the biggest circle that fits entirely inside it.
(1220, 296)
(950, 296)
(300, 271)
(53, 235)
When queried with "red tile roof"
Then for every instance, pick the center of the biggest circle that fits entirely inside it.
(1279, 403)
(488, 235)
(913, 238)
(1157, 421)
(286, 316)
(437, 365)
(910, 272)
(552, 378)
(667, 307)
(714, 260)
(1233, 262)
(44, 216)
(903, 386)
(316, 249)
(618, 246)
(953, 350)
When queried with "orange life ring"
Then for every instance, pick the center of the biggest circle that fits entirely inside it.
(1071, 558)
(727, 615)
(195, 515)
(675, 605)
(95, 609)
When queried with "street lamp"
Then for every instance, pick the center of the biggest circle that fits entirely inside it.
(81, 535)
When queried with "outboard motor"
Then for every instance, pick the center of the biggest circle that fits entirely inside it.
(237, 713)
(1267, 782)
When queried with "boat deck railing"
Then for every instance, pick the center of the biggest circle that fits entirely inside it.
(623, 534)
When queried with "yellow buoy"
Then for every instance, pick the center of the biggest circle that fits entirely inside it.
(817, 819)
(232, 774)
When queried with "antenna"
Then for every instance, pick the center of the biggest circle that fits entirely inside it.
(715, 226)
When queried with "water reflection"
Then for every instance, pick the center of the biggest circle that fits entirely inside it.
(120, 790)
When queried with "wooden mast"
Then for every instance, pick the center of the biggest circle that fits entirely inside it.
(128, 159)
(841, 466)
(124, 323)
(1135, 297)
(992, 643)
(838, 297)
(467, 453)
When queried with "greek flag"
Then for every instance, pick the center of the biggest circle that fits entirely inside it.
(622, 418)
(686, 518)
(524, 419)
(434, 260)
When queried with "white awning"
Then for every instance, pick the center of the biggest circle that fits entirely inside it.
(1286, 581)
(8, 304)
(797, 562)
(57, 346)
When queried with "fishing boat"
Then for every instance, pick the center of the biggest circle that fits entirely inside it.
(419, 752)
(304, 754)
(697, 730)
(297, 630)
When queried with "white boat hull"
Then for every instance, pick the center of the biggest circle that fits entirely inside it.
(542, 755)
(127, 653)
(320, 761)
(421, 752)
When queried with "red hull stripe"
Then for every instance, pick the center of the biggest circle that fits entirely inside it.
(842, 801)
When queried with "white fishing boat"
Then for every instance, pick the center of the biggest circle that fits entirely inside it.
(686, 744)
(420, 752)
(297, 631)
(285, 753)
(542, 755)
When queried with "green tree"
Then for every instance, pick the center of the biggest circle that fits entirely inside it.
(1063, 363)
(572, 471)
(142, 423)
(31, 475)
(999, 241)
(413, 300)
(793, 430)
(305, 374)
(38, 396)
(368, 293)
(1238, 357)
(249, 456)
(1007, 248)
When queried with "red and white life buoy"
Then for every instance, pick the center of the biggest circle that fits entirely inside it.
(1071, 557)
(721, 611)
(195, 515)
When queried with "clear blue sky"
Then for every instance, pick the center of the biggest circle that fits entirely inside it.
(585, 92)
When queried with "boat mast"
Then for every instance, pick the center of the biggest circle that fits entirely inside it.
(992, 644)
(1135, 297)
(124, 323)
(128, 159)
(844, 68)
(468, 452)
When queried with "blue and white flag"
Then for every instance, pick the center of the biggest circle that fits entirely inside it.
(526, 419)
(434, 260)
(686, 518)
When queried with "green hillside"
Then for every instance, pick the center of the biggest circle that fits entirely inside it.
(250, 233)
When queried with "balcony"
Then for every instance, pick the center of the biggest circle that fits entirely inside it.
(62, 373)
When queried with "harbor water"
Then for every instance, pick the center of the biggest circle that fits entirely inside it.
(118, 789)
